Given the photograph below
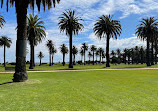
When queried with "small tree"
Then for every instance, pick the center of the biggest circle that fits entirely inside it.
(93, 49)
(74, 52)
(53, 52)
(6, 42)
(85, 48)
(40, 56)
(50, 45)
(63, 50)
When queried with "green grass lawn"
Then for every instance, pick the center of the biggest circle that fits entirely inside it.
(125, 90)
(96, 66)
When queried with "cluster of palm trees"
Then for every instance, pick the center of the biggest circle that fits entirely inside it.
(133, 55)
(92, 52)
(148, 30)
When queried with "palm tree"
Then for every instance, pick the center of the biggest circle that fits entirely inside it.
(142, 54)
(53, 52)
(97, 54)
(125, 55)
(69, 23)
(93, 49)
(103, 56)
(2, 21)
(119, 55)
(100, 53)
(40, 56)
(36, 32)
(21, 6)
(63, 50)
(89, 55)
(74, 52)
(82, 54)
(6, 42)
(129, 55)
(107, 27)
(85, 48)
(50, 45)
(145, 31)
(113, 53)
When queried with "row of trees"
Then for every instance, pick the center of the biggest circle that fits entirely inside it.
(93, 51)
(127, 56)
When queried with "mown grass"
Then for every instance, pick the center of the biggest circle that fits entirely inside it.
(134, 90)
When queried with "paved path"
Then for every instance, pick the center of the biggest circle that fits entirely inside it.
(85, 70)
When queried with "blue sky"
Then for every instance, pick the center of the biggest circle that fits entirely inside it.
(129, 12)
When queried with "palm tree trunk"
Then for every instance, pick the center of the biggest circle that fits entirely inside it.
(100, 58)
(70, 48)
(50, 63)
(84, 57)
(155, 51)
(4, 56)
(74, 60)
(96, 59)
(52, 59)
(31, 56)
(34, 56)
(107, 51)
(93, 57)
(63, 59)
(152, 53)
(20, 74)
(40, 62)
(148, 53)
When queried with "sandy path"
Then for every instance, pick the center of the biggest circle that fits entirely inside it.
(85, 70)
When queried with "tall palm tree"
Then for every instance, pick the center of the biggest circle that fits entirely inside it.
(53, 52)
(145, 31)
(50, 45)
(21, 6)
(40, 56)
(63, 50)
(93, 49)
(36, 32)
(6, 42)
(69, 23)
(107, 27)
(85, 48)
(74, 52)
(2, 21)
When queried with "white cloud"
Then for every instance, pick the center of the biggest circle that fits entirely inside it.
(119, 43)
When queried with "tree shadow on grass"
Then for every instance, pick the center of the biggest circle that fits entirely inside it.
(5, 83)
